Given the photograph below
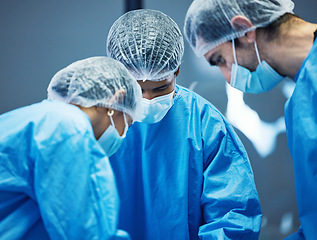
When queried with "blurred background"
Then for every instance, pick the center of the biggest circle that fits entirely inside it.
(38, 38)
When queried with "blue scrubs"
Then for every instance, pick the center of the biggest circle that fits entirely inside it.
(185, 176)
(55, 180)
(301, 127)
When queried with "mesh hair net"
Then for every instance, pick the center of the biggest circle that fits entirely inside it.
(148, 42)
(208, 22)
(96, 81)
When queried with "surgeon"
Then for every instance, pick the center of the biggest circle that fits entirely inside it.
(56, 181)
(256, 44)
(182, 172)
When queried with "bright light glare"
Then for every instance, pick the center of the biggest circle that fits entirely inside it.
(261, 134)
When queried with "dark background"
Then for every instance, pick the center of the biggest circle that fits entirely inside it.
(38, 38)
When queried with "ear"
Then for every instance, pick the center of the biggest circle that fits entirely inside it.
(118, 96)
(177, 71)
(242, 23)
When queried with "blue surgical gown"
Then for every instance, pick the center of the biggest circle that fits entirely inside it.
(186, 177)
(301, 128)
(55, 180)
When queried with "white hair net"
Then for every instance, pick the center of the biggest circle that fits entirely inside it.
(208, 22)
(148, 42)
(97, 81)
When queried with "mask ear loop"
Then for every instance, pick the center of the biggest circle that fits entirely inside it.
(232, 83)
(257, 51)
(126, 125)
(234, 52)
(110, 113)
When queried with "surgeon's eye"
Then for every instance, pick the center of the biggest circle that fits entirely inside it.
(220, 61)
(212, 62)
(217, 61)
(162, 88)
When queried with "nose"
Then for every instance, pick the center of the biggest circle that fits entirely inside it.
(226, 73)
(147, 94)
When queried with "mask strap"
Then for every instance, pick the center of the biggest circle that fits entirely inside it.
(234, 52)
(257, 51)
(234, 70)
(125, 119)
(110, 113)
(126, 125)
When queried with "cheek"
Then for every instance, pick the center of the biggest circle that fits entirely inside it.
(121, 130)
(171, 87)
(119, 124)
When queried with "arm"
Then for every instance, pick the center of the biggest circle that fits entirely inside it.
(75, 189)
(229, 201)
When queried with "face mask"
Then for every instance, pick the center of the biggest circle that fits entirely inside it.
(155, 109)
(263, 79)
(110, 140)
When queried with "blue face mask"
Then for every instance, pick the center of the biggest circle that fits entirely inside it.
(110, 140)
(155, 109)
(263, 79)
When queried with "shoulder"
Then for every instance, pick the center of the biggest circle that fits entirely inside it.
(197, 103)
(44, 124)
(187, 95)
(62, 117)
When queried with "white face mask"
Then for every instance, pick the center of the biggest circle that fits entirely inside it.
(155, 109)
(263, 79)
(110, 140)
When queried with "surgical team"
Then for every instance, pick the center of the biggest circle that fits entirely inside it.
(120, 150)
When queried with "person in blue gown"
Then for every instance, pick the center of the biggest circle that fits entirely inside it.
(56, 181)
(256, 44)
(182, 172)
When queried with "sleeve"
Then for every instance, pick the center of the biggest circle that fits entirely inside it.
(229, 201)
(75, 189)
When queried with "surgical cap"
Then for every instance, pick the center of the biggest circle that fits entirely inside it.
(208, 22)
(94, 82)
(148, 42)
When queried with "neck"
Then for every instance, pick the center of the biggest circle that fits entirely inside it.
(287, 53)
(98, 119)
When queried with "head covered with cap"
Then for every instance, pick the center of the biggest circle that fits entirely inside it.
(148, 42)
(97, 81)
(208, 22)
